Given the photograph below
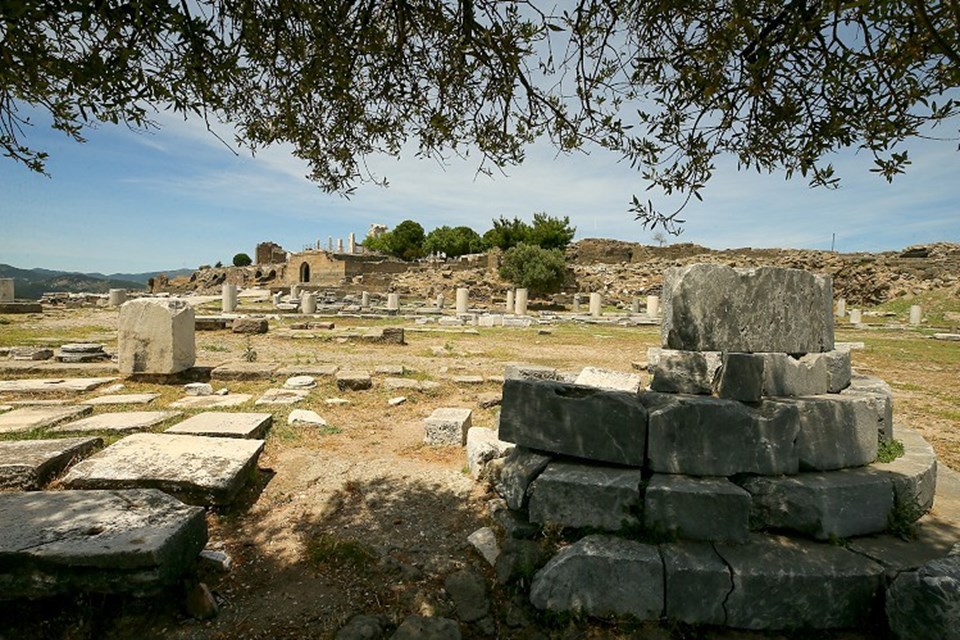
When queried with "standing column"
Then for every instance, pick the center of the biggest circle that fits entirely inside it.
(916, 315)
(309, 304)
(520, 302)
(596, 305)
(855, 316)
(841, 307)
(576, 303)
(117, 296)
(364, 300)
(635, 306)
(463, 300)
(352, 243)
(7, 290)
(228, 300)
(440, 301)
(393, 302)
(339, 245)
(653, 306)
(330, 244)
(510, 305)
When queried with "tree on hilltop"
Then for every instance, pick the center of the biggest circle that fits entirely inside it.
(453, 242)
(668, 85)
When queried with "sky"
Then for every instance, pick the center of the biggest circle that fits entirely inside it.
(134, 201)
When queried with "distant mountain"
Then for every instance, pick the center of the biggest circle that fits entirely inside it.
(30, 284)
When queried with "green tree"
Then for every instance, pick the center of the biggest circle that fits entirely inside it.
(456, 241)
(540, 270)
(551, 233)
(406, 240)
(506, 233)
(379, 243)
(669, 86)
(242, 260)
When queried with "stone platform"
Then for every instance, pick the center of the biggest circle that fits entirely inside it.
(29, 464)
(28, 418)
(225, 425)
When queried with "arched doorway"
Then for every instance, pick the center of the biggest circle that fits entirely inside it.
(304, 272)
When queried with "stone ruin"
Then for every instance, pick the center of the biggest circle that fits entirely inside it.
(734, 492)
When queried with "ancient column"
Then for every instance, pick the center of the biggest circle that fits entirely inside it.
(653, 306)
(596, 305)
(393, 302)
(309, 303)
(330, 244)
(339, 245)
(520, 302)
(364, 300)
(352, 243)
(463, 300)
(916, 314)
(440, 301)
(295, 291)
(576, 303)
(510, 305)
(117, 296)
(7, 290)
(841, 307)
(855, 316)
(277, 298)
(228, 298)
(635, 306)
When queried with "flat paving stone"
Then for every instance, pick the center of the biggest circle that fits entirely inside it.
(119, 422)
(29, 464)
(211, 402)
(52, 385)
(195, 469)
(315, 370)
(282, 396)
(244, 371)
(123, 398)
(55, 542)
(225, 425)
(29, 418)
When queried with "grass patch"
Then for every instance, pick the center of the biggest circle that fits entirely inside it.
(326, 551)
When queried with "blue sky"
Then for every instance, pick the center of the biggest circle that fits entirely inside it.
(129, 201)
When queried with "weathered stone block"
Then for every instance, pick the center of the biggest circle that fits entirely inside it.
(29, 464)
(784, 375)
(719, 308)
(703, 436)
(354, 381)
(838, 370)
(602, 576)
(155, 336)
(836, 431)
(117, 422)
(250, 325)
(224, 424)
(779, 583)
(697, 508)
(529, 372)
(520, 468)
(685, 371)
(741, 377)
(697, 583)
(244, 371)
(482, 447)
(579, 495)
(447, 425)
(26, 419)
(925, 603)
(914, 475)
(839, 504)
(883, 398)
(607, 379)
(606, 426)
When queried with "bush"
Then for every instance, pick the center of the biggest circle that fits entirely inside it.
(534, 268)
(242, 260)
(551, 233)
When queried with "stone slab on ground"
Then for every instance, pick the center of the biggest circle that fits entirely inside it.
(719, 308)
(712, 509)
(211, 402)
(225, 424)
(239, 371)
(353, 380)
(29, 464)
(64, 542)
(29, 418)
(697, 583)
(782, 583)
(282, 396)
(195, 469)
(52, 385)
(585, 422)
(119, 422)
(586, 496)
(610, 380)
(603, 576)
(447, 426)
(315, 370)
(123, 398)
(529, 372)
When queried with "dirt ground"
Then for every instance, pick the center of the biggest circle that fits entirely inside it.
(361, 517)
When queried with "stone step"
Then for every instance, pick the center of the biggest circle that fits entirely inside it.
(29, 464)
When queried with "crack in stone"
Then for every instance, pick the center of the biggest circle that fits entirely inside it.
(726, 615)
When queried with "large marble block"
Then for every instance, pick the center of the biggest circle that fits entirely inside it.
(156, 336)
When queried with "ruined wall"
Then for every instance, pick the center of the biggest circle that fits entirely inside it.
(270, 253)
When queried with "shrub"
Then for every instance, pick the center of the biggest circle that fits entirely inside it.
(539, 270)
(242, 260)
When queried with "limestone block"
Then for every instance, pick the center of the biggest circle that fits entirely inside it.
(580, 495)
(529, 372)
(354, 380)
(463, 300)
(741, 377)
(520, 468)
(24, 419)
(840, 504)
(704, 436)
(784, 375)
(697, 583)
(62, 542)
(308, 305)
(250, 325)
(883, 401)
(780, 583)
(838, 370)
(29, 464)
(914, 475)
(602, 575)
(244, 371)
(925, 603)
(225, 424)
(117, 422)
(697, 508)
(482, 447)
(155, 336)
(684, 371)
(607, 379)
(116, 297)
(719, 308)
(447, 425)
(585, 422)
(836, 431)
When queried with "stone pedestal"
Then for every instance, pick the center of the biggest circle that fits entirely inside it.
(510, 301)
(364, 300)
(596, 305)
(229, 298)
(855, 316)
(463, 300)
(393, 302)
(653, 306)
(155, 337)
(116, 297)
(6, 290)
(916, 314)
(520, 302)
(309, 303)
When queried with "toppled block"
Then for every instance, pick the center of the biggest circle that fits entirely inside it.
(56, 542)
(703, 436)
(719, 308)
(711, 509)
(447, 425)
(601, 575)
(741, 377)
(585, 422)
(520, 468)
(354, 380)
(29, 464)
(684, 371)
(836, 431)
(579, 495)
(250, 325)
(155, 336)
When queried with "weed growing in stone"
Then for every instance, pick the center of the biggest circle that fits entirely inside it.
(889, 450)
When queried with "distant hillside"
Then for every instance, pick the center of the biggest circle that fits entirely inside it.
(32, 283)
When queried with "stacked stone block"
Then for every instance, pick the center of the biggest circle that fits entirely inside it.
(754, 428)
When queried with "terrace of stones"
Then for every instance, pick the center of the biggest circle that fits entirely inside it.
(207, 458)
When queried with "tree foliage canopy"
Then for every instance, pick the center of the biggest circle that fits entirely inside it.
(404, 241)
(538, 269)
(241, 260)
(453, 242)
(668, 85)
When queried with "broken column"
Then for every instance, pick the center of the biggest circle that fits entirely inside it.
(596, 305)
(364, 299)
(841, 307)
(916, 315)
(393, 302)
(463, 300)
(330, 244)
(228, 298)
(339, 245)
(156, 336)
(309, 303)
(635, 305)
(520, 302)
(856, 317)
(576, 303)
(440, 301)
(653, 306)
(115, 298)
(6, 289)
(295, 291)
(510, 301)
